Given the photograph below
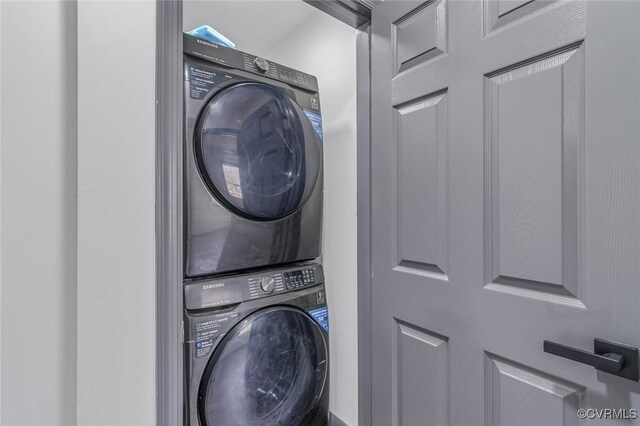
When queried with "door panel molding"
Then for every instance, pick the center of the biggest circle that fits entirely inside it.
(515, 392)
(420, 35)
(533, 182)
(421, 181)
(420, 376)
(498, 13)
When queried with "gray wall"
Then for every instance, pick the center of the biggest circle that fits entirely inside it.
(116, 213)
(38, 215)
(77, 213)
(326, 48)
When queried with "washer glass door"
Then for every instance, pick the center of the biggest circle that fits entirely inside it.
(257, 151)
(269, 370)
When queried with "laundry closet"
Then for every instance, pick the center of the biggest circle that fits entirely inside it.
(494, 273)
(270, 205)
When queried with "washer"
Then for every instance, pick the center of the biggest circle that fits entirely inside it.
(257, 349)
(253, 161)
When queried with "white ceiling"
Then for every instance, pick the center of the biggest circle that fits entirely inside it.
(255, 26)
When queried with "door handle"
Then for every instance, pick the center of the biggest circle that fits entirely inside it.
(610, 357)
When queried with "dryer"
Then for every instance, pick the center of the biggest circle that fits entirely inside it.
(257, 349)
(253, 161)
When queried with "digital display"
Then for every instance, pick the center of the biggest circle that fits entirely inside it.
(300, 278)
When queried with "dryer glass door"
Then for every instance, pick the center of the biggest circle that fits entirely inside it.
(269, 370)
(257, 151)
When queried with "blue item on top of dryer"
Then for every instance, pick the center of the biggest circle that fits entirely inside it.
(253, 162)
(205, 32)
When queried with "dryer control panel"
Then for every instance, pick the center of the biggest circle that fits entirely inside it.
(229, 290)
(237, 59)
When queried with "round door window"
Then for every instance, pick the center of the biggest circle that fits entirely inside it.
(257, 151)
(269, 370)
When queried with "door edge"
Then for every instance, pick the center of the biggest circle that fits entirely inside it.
(363, 148)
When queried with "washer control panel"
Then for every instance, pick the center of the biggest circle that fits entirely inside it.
(262, 285)
(224, 291)
(299, 278)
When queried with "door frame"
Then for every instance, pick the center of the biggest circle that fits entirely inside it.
(169, 241)
(169, 213)
(363, 186)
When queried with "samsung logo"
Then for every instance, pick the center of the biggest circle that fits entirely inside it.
(206, 43)
(212, 286)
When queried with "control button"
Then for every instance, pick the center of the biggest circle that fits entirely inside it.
(267, 284)
(262, 64)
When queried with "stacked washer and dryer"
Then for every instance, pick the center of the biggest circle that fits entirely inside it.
(255, 319)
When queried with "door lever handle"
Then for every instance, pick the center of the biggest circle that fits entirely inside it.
(610, 357)
(609, 362)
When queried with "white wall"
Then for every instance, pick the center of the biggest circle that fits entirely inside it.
(253, 25)
(326, 48)
(116, 213)
(38, 218)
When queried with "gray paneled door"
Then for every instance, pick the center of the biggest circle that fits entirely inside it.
(505, 208)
